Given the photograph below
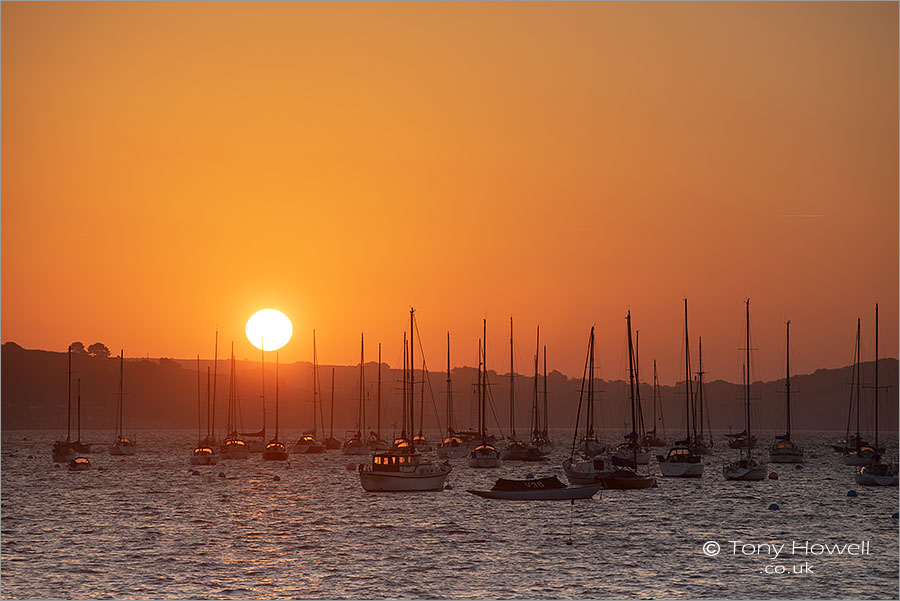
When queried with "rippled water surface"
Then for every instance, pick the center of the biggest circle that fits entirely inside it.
(144, 526)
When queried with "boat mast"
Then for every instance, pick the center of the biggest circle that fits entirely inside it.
(535, 414)
(481, 397)
(215, 380)
(207, 403)
(412, 377)
(545, 430)
(512, 386)
(857, 383)
(688, 392)
(631, 383)
(787, 377)
(449, 392)
(69, 397)
(361, 415)
(405, 411)
(232, 399)
(276, 395)
(637, 387)
(876, 382)
(748, 377)
(119, 408)
(262, 360)
(378, 420)
(199, 411)
(316, 389)
(590, 406)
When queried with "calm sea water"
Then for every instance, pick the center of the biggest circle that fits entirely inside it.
(146, 527)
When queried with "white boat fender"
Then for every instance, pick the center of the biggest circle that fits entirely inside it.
(852, 493)
(774, 507)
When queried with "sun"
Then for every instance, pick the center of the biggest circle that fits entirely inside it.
(269, 329)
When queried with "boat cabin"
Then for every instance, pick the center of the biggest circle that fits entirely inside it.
(453, 441)
(203, 451)
(680, 455)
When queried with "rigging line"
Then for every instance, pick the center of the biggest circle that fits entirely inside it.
(581, 398)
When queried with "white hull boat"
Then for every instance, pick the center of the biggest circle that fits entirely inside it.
(402, 471)
(586, 471)
(681, 462)
(484, 456)
(745, 469)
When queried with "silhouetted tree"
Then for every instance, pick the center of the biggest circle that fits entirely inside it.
(98, 349)
(77, 347)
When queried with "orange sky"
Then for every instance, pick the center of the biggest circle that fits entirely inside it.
(171, 167)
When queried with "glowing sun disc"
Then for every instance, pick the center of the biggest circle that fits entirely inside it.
(269, 327)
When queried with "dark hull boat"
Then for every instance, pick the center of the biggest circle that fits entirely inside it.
(537, 489)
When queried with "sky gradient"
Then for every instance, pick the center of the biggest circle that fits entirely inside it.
(170, 168)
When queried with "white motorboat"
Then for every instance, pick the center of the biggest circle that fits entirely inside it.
(537, 489)
(580, 470)
(681, 462)
(402, 470)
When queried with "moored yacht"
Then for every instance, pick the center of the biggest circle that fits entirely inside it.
(786, 450)
(484, 454)
(122, 445)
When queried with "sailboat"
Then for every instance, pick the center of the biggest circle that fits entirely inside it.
(204, 453)
(403, 468)
(539, 446)
(234, 447)
(80, 448)
(332, 443)
(746, 467)
(63, 451)
(651, 438)
(452, 447)
(877, 473)
(308, 442)
(485, 454)
(356, 444)
(515, 449)
(632, 448)
(848, 443)
(584, 465)
(860, 452)
(123, 445)
(786, 450)
(626, 475)
(682, 461)
(275, 449)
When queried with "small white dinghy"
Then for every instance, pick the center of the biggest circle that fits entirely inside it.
(537, 489)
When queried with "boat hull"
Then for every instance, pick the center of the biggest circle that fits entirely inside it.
(754, 473)
(403, 482)
(590, 471)
(584, 491)
(681, 469)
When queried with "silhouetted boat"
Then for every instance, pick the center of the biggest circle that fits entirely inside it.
(332, 443)
(63, 451)
(877, 473)
(537, 489)
(681, 461)
(122, 445)
(275, 449)
(308, 442)
(356, 444)
(626, 476)
(234, 447)
(79, 464)
(484, 454)
(540, 438)
(584, 466)
(515, 449)
(786, 450)
(205, 452)
(452, 447)
(746, 467)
